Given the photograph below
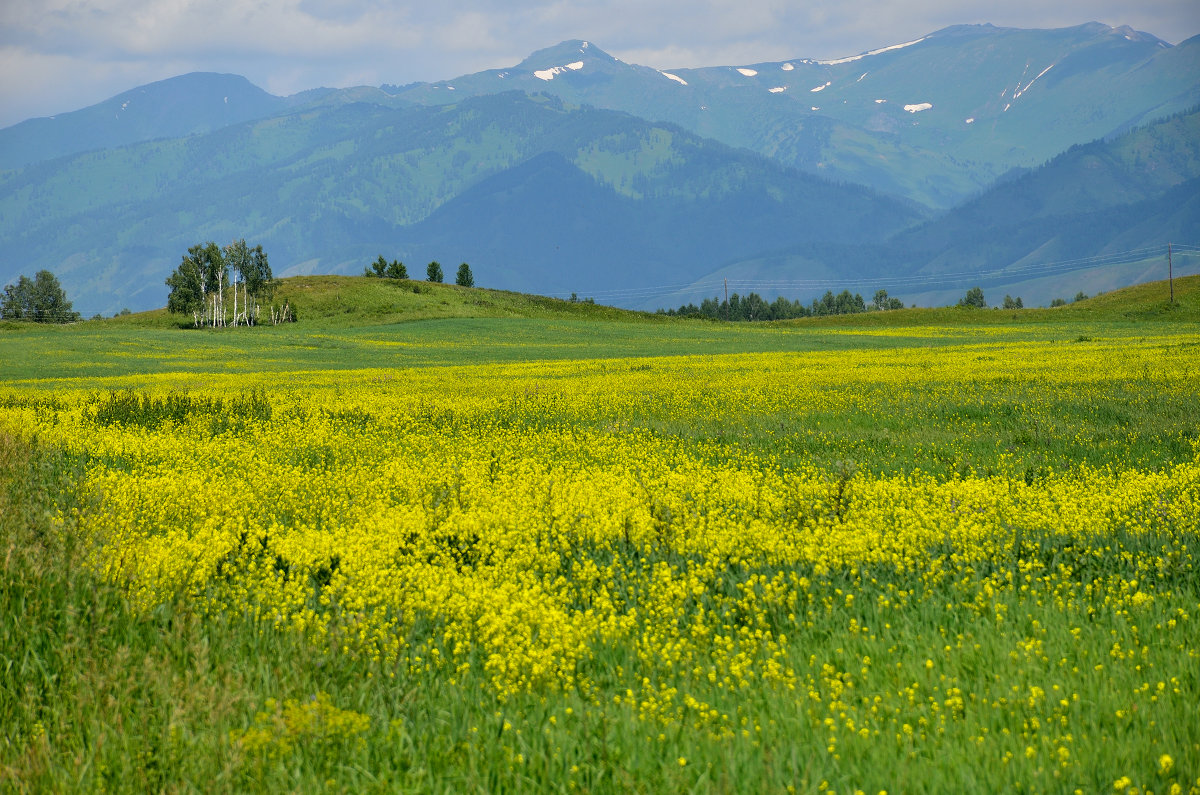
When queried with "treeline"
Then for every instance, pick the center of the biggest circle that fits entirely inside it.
(382, 269)
(40, 299)
(754, 307)
(202, 286)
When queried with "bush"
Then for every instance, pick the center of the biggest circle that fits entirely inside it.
(973, 299)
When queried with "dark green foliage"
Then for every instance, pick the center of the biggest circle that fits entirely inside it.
(1080, 296)
(187, 287)
(134, 408)
(1013, 303)
(753, 307)
(198, 284)
(464, 278)
(382, 269)
(213, 270)
(257, 276)
(433, 272)
(973, 299)
(41, 300)
(883, 303)
(842, 304)
(1058, 302)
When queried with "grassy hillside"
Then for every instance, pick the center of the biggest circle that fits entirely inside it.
(1140, 303)
(346, 301)
(348, 322)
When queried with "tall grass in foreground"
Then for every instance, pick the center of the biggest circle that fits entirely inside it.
(696, 574)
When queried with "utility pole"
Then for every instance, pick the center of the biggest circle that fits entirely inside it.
(727, 299)
(1170, 273)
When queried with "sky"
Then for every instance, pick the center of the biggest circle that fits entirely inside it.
(61, 55)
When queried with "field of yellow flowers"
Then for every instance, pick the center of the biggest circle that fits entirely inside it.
(961, 566)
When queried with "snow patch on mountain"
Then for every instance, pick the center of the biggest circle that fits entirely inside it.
(918, 107)
(747, 72)
(787, 67)
(777, 89)
(872, 52)
(1021, 91)
(676, 78)
(820, 88)
(548, 74)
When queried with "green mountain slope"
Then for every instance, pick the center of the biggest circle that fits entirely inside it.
(1090, 204)
(935, 120)
(328, 187)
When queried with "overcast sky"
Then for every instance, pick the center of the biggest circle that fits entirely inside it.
(60, 55)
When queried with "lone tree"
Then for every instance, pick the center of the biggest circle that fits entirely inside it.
(1013, 303)
(464, 277)
(433, 272)
(396, 270)
(974, 299)
(40, 299)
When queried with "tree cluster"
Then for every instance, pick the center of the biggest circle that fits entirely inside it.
(973, 299)
(201, 286)
(883, 303)
(753, 307)
(382, 269)
(40, 299)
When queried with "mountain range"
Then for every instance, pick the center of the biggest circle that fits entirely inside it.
(972, 150)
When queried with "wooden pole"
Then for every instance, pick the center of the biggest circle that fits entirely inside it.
(1170, 273)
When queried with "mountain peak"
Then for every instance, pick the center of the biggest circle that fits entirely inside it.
(571, 51)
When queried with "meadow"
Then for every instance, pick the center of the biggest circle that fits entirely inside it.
(519, 545)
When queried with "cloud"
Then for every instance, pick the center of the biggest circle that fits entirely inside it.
(58, 55)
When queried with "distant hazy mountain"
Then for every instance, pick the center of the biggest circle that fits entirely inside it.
(936, 119)
(184, 105)
(494, 180)
(1137, 191)
(575, 171)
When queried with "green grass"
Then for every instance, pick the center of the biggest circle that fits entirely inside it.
(95, 695)
(355, 322)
